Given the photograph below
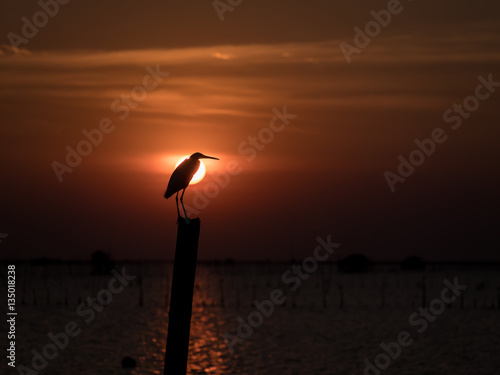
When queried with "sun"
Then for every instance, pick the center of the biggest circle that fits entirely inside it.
(200, 173)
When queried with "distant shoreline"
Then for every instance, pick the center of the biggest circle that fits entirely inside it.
(227, 262)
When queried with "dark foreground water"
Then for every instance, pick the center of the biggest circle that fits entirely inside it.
(331, 324)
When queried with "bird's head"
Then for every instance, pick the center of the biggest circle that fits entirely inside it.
(199, 155)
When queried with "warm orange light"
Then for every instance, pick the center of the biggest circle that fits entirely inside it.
(200, 173)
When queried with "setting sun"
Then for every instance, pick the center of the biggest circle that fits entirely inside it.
(200, 173)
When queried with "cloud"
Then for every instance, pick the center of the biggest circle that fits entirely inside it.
(221, 56)
(7, 49)
(476, 45)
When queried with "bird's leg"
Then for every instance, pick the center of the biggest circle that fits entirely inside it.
(182, 203)
(177, 205)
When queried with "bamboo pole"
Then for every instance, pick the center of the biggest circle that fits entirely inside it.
(181, 297)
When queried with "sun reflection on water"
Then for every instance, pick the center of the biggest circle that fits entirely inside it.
(208, 352)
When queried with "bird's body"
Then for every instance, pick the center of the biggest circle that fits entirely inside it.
(182, 176)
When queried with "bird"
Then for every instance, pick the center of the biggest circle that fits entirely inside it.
(181, 177)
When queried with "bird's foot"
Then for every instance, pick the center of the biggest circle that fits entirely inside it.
(186, 219)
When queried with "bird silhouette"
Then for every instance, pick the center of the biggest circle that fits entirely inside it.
(181, 177)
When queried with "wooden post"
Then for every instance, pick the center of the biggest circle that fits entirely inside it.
(181, 297)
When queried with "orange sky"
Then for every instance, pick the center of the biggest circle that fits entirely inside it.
(321, 174)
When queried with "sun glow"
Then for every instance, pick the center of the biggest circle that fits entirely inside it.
(200, 173)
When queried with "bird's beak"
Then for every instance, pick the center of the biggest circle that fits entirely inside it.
(208, 157)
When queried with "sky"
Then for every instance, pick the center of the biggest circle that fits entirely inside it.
(314, 110)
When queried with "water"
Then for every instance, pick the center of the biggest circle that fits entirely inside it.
(332, 324)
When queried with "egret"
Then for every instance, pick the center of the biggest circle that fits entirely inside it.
(182, 176)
